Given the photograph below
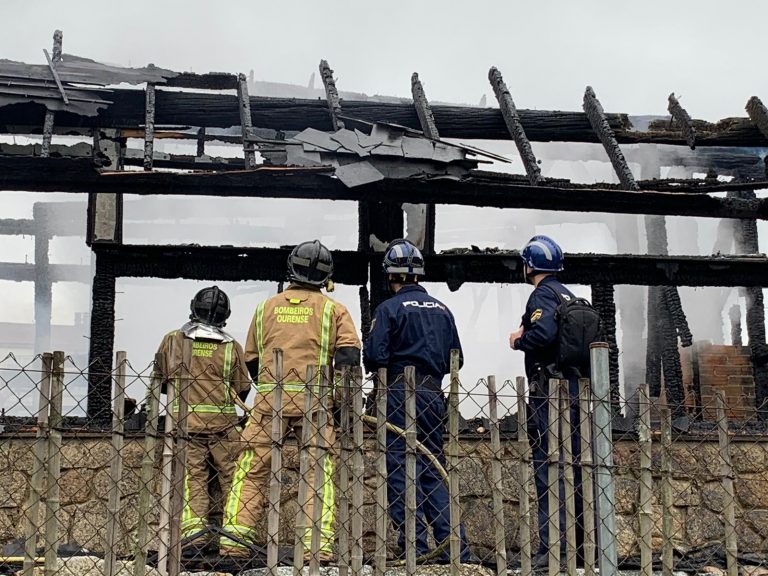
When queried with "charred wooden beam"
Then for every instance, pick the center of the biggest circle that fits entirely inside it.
(149, 127)
(332, 95)
(286, 114)
(597, 118)
(515, 127)
(79, 175)
(758, 114)
(428, 126)
(246, 121)
(683, 120)
(210, 81)
(454, 268)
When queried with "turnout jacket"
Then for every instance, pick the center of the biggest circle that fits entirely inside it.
(217, 373)
(309, 327)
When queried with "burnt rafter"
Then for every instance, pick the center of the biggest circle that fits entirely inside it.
(79, 175)
(455, 269)
(221, 110)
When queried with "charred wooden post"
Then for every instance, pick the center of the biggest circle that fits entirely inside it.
(149, 126)
(428, 126)
(603, 301)
(49, 114)
(515, 127)
(683, 120)
(332, 95)
(101, 343)
(116, 467)
(746, 241)
(58, 40)
(244, 105)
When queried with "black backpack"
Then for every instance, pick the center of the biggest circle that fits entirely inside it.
(578, 326)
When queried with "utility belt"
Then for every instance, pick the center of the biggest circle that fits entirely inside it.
(540, 377)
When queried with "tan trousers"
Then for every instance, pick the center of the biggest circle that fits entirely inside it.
(250, 485)
(206, 451)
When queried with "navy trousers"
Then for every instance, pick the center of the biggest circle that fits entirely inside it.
(538, 434)
(432, 502)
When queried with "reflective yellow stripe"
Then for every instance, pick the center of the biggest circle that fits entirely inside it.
(211, 409)
(290, 386)
(228, 372)
(325, 334)
(260, 330)
(186, 514)
(244, 465)
(326, 510)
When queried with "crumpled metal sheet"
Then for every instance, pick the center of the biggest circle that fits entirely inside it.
(21, 82)
(366, 152)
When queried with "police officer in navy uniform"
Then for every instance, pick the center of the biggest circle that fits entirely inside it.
(537, 337)
(414, 329)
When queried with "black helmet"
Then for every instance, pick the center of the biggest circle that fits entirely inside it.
(402, 257)
(210, 306)
(310, 263)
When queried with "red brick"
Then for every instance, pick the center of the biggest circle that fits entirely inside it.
(740, 360)
(712, 360)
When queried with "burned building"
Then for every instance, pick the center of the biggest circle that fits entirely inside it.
(397, 160)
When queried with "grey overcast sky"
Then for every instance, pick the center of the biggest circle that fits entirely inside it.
(709, 52)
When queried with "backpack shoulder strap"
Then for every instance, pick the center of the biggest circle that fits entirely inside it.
(557, 294)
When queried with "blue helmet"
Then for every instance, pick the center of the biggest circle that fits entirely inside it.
(543, 254)
(402, 257)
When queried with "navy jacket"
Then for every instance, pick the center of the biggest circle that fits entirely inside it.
(539, 341)
(412, 329)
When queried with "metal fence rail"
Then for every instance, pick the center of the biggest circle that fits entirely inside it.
(310, 473)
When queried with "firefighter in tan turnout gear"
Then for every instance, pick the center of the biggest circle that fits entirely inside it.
(217, 374)
(312, 330)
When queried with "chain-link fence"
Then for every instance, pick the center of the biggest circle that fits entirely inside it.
(213, 472)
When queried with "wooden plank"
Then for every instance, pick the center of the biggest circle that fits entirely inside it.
(52, 536)
(245, 120)
(116, 466)
(496, 479)
(146, 489)
(307, 430)
(726, 477)
(568, 477)
(667, 546)
(382, 517)
(320, 452)
(453, 463)
(358, 472)
(587, 481)
(164, 520)
(275, 483)
(39, 469)
(525, 474)
(553, 464)
(645, 509)
(410, 470)
(344, 442)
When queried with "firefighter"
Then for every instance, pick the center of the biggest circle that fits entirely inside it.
(414, 329)
(537, 337)
(312, 330)
(217, 373)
